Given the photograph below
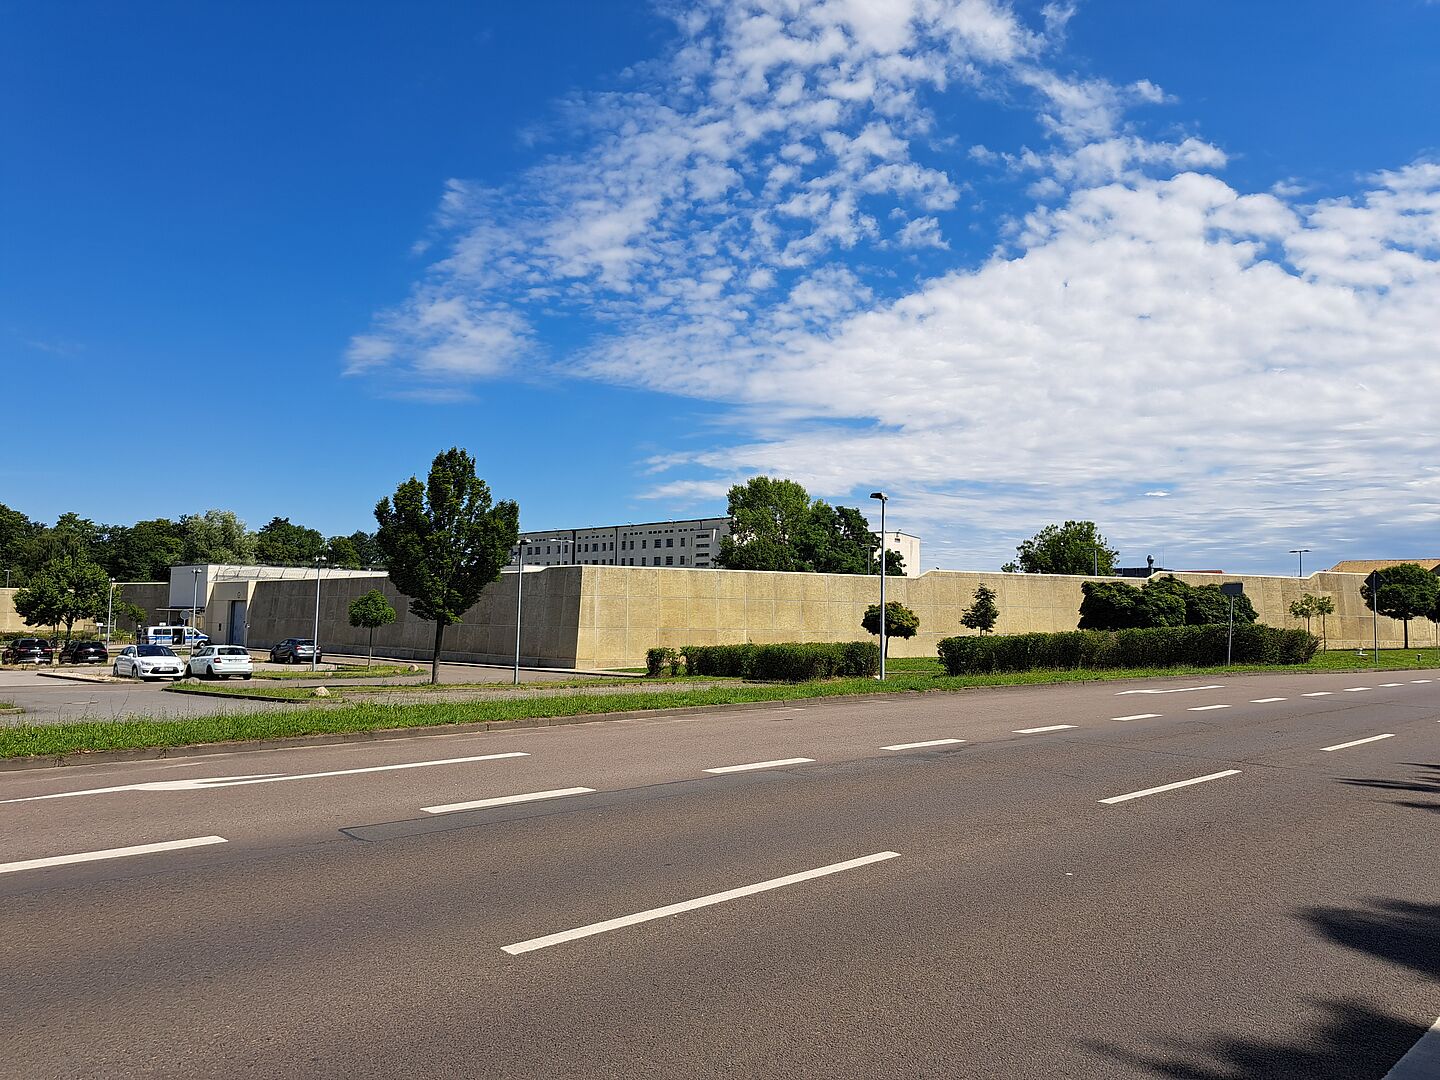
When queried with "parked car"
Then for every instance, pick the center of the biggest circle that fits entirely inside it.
(147, 662)
(28, 650)
(293, 650)
(164, 634)
(219, 662)
(85, 652)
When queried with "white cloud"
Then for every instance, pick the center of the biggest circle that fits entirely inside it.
(1151, 347)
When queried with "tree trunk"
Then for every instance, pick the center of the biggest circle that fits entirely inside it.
(1407, 633)
(435, 660)
(1324, 635)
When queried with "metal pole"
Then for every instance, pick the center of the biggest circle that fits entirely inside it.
(519, 586)
(1375, 621)
(315, 637)
(883, 611)
(109, 607)
(1230, 639)
(194, 596)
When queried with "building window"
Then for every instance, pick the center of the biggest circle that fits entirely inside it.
(642, 545)
(682, 544)
(669, 541)
(682, 563)
(669, 560)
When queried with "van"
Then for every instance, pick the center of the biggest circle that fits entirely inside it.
(183, 636)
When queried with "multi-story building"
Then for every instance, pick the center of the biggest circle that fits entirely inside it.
(692, 544)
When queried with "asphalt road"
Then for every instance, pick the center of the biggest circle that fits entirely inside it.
(870, 908)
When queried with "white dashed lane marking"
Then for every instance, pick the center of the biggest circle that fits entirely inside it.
(1137, 716)
(1266, 700)
(1319, 693)
(110, 853)
(919, 745)
(506, 800)
(1167, 787)
(1355, 742)
(1206, 708)
(1038, 730)
(761, 765)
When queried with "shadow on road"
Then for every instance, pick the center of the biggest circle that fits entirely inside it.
(1426, 781)
(1350, 1038)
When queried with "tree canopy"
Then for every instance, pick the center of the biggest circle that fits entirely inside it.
(282, 543)
(775, 525)
(1406, 591)
(1071, 548)
(1161, 601)
(445, 540)
(900, 621)
(65, 588)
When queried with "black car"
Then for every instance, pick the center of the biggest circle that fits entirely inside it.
(28, 650)
(294, 650)
(85, 652)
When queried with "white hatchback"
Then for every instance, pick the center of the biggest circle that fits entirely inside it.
(147, 662)
(220, 662)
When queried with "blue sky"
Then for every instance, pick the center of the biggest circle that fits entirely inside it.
(1171, 266)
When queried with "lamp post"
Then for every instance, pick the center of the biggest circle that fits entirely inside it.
(880, 495)
(194, 597)
(109, 607)
(1301, 552)
(315, 639)
(520, 590)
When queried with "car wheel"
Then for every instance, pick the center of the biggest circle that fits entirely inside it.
(115, 670)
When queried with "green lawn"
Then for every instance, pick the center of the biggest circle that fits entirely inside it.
(379, 671)
(365, 716)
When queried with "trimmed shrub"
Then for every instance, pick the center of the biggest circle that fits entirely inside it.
(785, 662)
(662, 661)
(1164, 646)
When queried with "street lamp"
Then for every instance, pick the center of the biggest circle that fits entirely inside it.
(1301, 552)
(883, 613)
(315, 639)
(520, 588)
(109, 607)
(194, 597)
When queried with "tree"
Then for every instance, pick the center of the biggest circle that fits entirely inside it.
(444, 541)
(216, 536)
(371, 611)
(144, 551)
(1324, 605)
(774, 525)
(1162, 601)
(281, 543)
(1072, 548)
(900, 622)
(982, 614)
(341, 551)
(18, 535)
(66, 588)
(1405, 591)
(1304, 608)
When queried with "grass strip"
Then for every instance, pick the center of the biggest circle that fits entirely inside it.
(379, 671)
(306, 693)
(144, 732)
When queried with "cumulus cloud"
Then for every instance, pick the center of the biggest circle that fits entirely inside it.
(1150, 346)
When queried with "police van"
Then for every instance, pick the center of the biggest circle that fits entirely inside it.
(182, 636)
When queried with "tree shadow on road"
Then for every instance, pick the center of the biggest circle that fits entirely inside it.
(1426, 781)
(1350, 1038)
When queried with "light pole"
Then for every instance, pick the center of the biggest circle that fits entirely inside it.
(520, 590)
(315, 639)
(1301, 552)
(883, 613)
(194, 597)
(109, 607)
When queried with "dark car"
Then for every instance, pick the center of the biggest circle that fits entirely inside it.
(294, 650)
(85, 652)
(28, 650)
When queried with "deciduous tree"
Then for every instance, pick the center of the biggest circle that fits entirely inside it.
(982, 614)
(900, 621)
(280, 542)
(444, 541)
(371, 611)
(1072, 548)
(1406, 591)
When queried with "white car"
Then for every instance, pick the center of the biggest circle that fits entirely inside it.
(219, 662)
(147, 662)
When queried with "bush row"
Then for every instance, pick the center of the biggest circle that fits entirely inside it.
(1168, 646)
(785, 662)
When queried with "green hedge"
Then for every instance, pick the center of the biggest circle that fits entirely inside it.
(1167, 646)
(787, 662)
(662, 661)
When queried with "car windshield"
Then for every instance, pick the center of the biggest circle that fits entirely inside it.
(156, 650)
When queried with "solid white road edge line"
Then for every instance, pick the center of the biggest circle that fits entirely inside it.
(918, 745)
(1167, 787)
(1137, 716)
(761, 765)
(110, 853)
(690, 905)
(1206, 708)
(1180, 690)
(1355, 742)
(1038, 730)
(1422, 1061)
(1265, 700)
(205, 783)
(506, 800)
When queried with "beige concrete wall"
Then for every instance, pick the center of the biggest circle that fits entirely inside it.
(486, 633)
(626, 610)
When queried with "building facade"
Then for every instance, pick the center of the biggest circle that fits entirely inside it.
(693, 544)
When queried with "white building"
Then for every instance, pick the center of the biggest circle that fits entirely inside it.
(692, 544)
(215, 597)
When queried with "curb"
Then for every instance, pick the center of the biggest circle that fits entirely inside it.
(77, 677)
(175, 688)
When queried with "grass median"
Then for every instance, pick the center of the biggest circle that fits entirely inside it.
(379, 671)
(906, 675)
